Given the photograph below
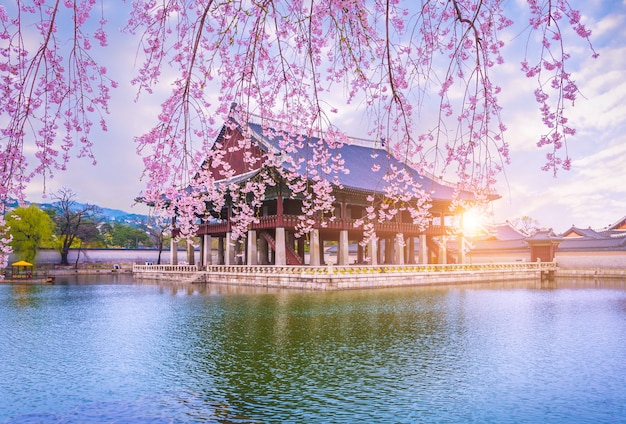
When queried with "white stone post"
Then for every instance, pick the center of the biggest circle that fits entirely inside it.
(343, 256)
(461, 247)
(281, 249)
(314, 248)
(423, 250)
(229, 254)
(173, 252)
(399, 249)
(373, 250)
(443, 251)
(252, 250)
(191, 253)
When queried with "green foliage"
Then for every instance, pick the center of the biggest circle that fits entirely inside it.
(126, 236)
(31, 229)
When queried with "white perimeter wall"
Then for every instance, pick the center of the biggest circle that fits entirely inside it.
(605, 260)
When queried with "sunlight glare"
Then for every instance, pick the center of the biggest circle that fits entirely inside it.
(474, 222)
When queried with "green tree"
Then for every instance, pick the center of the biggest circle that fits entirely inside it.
(127, 236)
(31, 229)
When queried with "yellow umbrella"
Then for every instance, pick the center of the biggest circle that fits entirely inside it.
(21, 269)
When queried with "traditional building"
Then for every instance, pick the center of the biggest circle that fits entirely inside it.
(273, 237)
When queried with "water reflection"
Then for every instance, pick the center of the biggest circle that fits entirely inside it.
(103, 351)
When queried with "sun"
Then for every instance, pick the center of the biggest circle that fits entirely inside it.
(473, 222)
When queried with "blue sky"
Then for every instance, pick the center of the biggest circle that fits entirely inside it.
(592, 194)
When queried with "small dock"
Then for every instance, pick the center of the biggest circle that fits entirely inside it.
(347, 277)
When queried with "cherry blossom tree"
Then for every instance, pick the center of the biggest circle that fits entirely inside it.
(297, 65)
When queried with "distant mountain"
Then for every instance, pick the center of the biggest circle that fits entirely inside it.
(105, 214)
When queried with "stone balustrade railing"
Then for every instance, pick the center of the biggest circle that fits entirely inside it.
(350, 269)
(165, 268)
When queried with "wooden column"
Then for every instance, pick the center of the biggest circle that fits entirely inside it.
(279, 211)
(300, 248)
(220, 251)
(263, 251)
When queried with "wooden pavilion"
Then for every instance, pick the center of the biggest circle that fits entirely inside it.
(272, 239)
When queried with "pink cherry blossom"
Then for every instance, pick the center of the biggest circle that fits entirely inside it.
(284, 63)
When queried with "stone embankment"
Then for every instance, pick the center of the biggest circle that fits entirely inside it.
(591, 273)
(345, 277)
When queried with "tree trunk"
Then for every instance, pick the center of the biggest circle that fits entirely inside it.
(160, 250)
(64, 254)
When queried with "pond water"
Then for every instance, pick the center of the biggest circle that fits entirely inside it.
(108, 349)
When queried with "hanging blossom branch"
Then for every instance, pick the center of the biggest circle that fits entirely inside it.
(550, 71)
(51, 90)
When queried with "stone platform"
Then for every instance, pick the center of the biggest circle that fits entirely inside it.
(346, 277)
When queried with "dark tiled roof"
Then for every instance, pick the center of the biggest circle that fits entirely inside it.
(592, 244)
(502, 237)
(582, 232)
(504, 232)
(361, 160)
(499, 245)
(616, 225)
(544, 235)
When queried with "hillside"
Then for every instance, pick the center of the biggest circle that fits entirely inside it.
(105, 214)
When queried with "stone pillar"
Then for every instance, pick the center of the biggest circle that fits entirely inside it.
(399, 249)
(220, 251)
(191, 253)
(208, 251)
(173, 252)
(423, 250)
(343, 255)
(229, 250)
(461, 248)
(373, 250)
(252, 252)
(314, 248)
(443, 252)
(281, 249)
(389, 251)
(413, 256)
